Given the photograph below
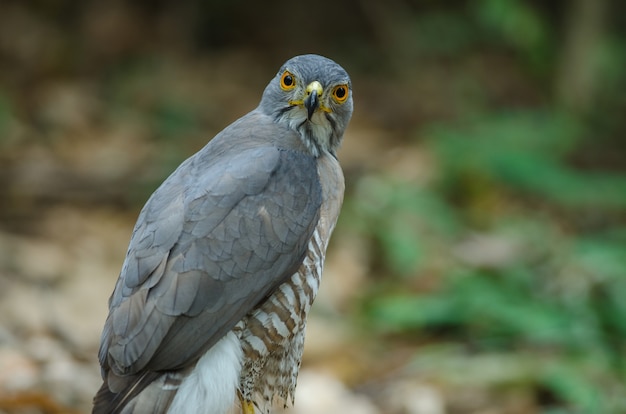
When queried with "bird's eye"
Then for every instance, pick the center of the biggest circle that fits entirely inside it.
(287, 81)
(340, 93)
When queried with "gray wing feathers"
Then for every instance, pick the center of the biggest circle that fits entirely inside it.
(242, 258)
(158, 228)
(210, 243)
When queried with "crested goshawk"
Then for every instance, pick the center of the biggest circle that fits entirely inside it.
(209, 312)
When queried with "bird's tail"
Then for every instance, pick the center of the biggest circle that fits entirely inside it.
(151, 392)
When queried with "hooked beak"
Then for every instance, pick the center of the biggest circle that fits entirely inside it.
(311, 102)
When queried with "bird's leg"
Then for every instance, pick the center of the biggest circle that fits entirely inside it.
(247, 407)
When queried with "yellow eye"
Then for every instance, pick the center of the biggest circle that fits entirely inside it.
(340, 93)
(287, 81)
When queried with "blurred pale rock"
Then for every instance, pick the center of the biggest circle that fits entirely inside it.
(345, 272)
(484, 250)
(413, 397)
(17, 371)
(41, 261)
(323, 336)
(318, 392)
(21, 308)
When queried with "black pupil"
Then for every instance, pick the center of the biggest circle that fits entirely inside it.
(288, 80)
(340, 92)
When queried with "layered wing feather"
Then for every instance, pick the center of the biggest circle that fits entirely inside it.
(223, 231)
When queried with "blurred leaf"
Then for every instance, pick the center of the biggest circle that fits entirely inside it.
(570, 383)
(174, 120)
(518, 24)
(454, 33)
(398, 313)
(455, 365)
(490, 310)
(503, 313)
(602, 257)
(400, 216)
(525, 152)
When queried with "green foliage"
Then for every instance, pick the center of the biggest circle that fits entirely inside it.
(567, 379)
(493, 310)
(132, 93)
(575, 381)
(454, 34)
(398, 216)
(517, 24)
(558, 294)
(526, 152)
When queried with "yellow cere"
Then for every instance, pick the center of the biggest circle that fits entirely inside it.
(315, 85)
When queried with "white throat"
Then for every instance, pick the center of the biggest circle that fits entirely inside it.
(315, 133)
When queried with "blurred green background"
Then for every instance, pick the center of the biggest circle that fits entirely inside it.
(481, 251)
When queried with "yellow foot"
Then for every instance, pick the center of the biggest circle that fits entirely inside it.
(247, 407)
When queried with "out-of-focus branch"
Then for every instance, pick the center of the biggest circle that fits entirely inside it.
(579, 67)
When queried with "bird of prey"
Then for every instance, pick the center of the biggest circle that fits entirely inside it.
(209, 312)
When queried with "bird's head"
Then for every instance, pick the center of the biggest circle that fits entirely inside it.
(312, 95)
